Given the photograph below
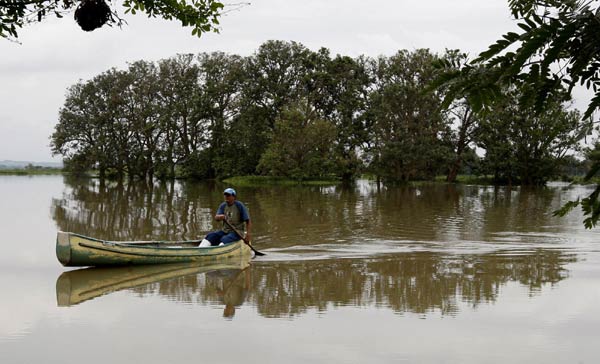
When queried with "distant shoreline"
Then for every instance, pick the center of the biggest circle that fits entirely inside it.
(31, 171)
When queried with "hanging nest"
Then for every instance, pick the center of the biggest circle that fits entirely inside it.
(92, 14)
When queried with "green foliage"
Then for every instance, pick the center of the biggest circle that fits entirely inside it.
(339, 90)
(302, 146)
(78, 164)
(559, 44)
(590, 205)
(275, 76)
(573, 169)
(523, 146)
(410, 135)
(112, 122)
(204, 117)
(178, 97)
(463, 118)
(196, 165)
(201, 15)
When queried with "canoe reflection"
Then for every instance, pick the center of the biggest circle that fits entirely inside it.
(220, 280)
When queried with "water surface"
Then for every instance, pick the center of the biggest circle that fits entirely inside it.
(434, 273)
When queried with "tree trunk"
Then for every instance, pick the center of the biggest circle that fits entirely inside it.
(453, 172)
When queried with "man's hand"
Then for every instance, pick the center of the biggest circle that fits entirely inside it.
(220, 217)
(248, 237)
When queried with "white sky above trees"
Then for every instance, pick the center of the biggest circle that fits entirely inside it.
(55, 54)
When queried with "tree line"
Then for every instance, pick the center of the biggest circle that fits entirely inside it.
(292, 112)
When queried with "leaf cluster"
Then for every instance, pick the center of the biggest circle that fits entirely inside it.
(590, 205)
(559, 44)
(201, 15)
(556, 49)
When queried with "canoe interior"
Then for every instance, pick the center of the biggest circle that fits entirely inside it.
(161, 244)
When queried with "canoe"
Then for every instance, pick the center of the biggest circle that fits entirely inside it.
(75, 250)
(77, 286)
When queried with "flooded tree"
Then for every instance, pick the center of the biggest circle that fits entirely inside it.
(219, 115)
(302, 145)
(525, 147)
(557, 45)
(409, 135)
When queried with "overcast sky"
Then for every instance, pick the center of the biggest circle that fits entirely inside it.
(55, 54)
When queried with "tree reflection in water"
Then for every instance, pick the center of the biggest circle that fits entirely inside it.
(413, 282)
(499, 221)
(288, 216)
(136, 211)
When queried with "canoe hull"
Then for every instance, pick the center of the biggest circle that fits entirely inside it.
(74, 250)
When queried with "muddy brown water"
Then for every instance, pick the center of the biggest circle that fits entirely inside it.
(428, 274)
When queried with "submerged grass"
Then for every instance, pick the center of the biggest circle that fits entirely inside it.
(469, 179)
(253, 181)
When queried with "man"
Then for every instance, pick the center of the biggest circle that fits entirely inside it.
(236, 214)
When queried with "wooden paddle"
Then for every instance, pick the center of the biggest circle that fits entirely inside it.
(256, 252)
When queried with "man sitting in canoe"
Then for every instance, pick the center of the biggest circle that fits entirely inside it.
(236, 214)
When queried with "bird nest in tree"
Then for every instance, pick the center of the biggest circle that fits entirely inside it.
(92, 14)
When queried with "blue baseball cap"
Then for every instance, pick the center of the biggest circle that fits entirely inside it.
(229, 191)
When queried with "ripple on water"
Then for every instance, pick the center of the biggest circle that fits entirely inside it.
(509, 242)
